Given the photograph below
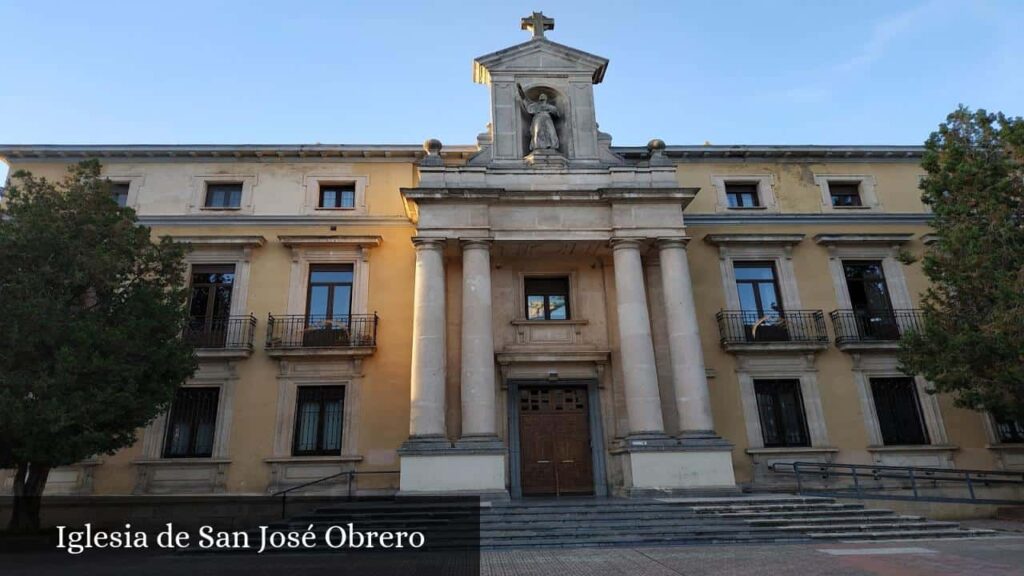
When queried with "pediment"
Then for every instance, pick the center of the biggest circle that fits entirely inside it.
(539, 56)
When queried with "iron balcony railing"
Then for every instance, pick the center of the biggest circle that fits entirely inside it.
(855, 326)
(221, 333)
(305, 331)
(749, 327)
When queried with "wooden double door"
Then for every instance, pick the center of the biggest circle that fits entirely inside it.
(554, 439)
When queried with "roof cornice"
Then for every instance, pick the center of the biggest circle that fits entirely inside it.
(414, 152)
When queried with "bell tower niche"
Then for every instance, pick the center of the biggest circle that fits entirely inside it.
(542, 104)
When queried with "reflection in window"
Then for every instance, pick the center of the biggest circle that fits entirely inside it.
(547, 298)
(742, 194)
(224, 195)
(337, 196)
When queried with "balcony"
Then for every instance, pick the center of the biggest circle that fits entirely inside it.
(792, 330)
(305, 335)
(224, 337)
(873, 329)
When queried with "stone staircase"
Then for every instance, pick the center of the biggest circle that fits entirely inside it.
(817, 518)
(742, 519)
(572, 522)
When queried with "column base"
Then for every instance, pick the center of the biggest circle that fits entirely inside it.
(694, 464)
(474, 467)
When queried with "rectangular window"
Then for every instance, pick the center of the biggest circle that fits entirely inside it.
(742, 194)
(899, 411)
(119, 192)
(845, 194)
(761, 306)
(223, 194)
(318, 418)
(337, 196)
(547, 298)
(780, 407)
(210, 304)
(1009, 431)
(328, 306)
(192, 423)
(869, 299)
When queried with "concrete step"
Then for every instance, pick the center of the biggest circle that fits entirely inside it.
(872, 527)
(827, 520)
(823, 506)
(805, 513)
(901, 534)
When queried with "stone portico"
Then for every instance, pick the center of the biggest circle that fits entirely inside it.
(516, 211)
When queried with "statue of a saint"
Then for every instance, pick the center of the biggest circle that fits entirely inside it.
(542, 129)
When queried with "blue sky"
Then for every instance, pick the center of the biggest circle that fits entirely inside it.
(779, 72)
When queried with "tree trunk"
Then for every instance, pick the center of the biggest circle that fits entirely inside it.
(29, 482)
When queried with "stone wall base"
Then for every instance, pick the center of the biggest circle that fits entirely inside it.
(679, 471)
(453, 473)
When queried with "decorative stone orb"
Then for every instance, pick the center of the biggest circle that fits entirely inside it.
(656, 145)
(432, 146)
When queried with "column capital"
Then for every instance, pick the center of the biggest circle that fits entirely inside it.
(620, 243)
(476, 243)
(429, 243)
(673, 242)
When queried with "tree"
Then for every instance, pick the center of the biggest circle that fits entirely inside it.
(971, 343)
(91, 319)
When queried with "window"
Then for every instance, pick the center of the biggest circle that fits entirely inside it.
(1009, 431)
(780, 407)
(547, 298)
(742, 194)
(845, 194)
(210, 304)
(330, 291)
(337, 196)
(760, 304)
(192, 423)
(899, 411)
(869, 299)
(318, 417)
(119, 192)
(223, 195)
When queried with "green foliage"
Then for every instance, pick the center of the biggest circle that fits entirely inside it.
(91, 317)
(972, 342)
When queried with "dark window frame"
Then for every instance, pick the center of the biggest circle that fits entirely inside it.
(321, 395)
(546, 294)
(737, 193)
(119, 190)
(892, 422)
(340, 192)
(775, 388)
(756, 284)
(840, 194)
(1008, 431)
(183, 412)
(331, 287)
(227, 193)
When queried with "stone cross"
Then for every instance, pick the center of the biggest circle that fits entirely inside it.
(537, 23)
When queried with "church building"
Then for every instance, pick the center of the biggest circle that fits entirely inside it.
(539, 313)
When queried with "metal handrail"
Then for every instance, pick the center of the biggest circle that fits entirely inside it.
(321, 331)
(351, 474)
(855, 326)
(915, 475)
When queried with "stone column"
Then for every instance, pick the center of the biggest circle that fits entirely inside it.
(426, 412)
(478, 393)
(643, 404)
(689, 379)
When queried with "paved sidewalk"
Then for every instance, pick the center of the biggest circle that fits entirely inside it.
(974, 557)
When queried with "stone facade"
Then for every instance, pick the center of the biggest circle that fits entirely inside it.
(461, 387)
